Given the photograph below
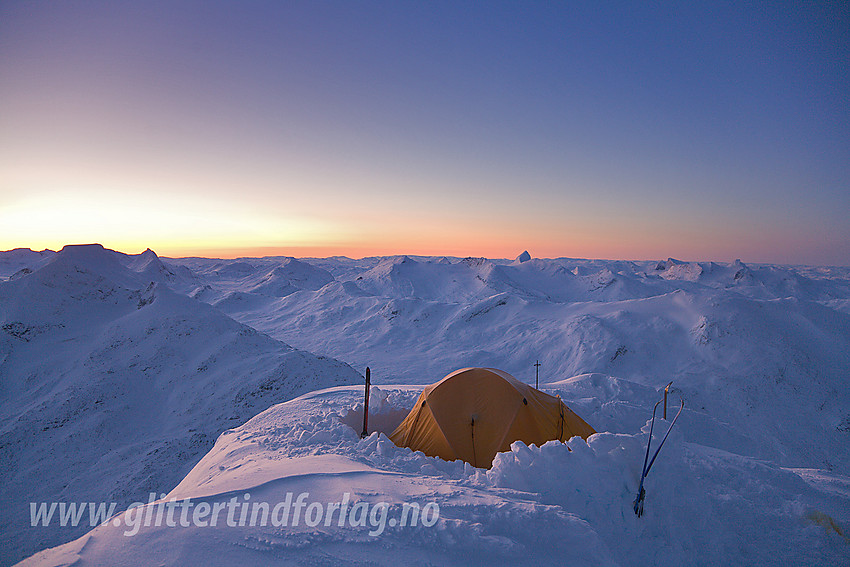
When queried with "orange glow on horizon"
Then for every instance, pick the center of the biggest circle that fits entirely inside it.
(588, 248)
(216, 230)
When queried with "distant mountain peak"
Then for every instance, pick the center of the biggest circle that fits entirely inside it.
(524, 257)
(77, 248)
(90, 255)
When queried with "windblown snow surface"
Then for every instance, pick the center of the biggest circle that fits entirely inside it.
(756, 472)
(112, 384)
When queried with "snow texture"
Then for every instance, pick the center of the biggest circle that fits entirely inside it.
(110, 363)
(113, 384)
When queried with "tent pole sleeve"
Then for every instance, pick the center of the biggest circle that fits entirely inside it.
(413, 427)
(474, 457)
(561, 408)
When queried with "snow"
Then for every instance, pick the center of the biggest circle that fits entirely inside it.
(567, 503)
(113, 385)
(756, 472)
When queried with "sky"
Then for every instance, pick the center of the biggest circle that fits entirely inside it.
(701, 131)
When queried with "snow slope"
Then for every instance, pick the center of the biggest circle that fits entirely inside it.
(757, 472)
(562, 504)
(765, 349)
(113, 384)
(21, 261)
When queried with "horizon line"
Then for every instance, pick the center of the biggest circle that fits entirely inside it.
(250, 253)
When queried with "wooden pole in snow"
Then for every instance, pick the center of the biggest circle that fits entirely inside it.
(537, 374)
(366, 405)
(666, 388)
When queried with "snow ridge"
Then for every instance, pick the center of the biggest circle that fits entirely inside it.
(758, 467)
(113, 384)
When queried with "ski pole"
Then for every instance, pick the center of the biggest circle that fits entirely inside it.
(638, 503)
(366, 406)
(669, 429)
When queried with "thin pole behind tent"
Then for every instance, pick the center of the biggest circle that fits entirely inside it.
(366, 405)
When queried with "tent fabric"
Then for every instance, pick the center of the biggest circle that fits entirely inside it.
(474, 413)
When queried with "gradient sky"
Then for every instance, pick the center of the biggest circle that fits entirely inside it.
(711, 131)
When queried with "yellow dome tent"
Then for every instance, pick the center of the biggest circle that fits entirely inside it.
(474, 413)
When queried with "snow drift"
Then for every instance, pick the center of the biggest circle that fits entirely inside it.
(755, 473)
(113, 384)
(566, 504)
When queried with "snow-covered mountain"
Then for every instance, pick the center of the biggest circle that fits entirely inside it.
(714, 329)
(114, 385)
(22, 261)
(758, 467)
